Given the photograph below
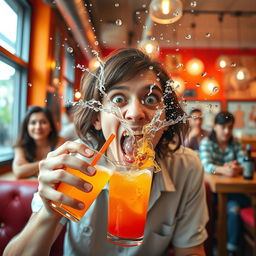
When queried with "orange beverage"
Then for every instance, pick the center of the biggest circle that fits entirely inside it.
(99, 180)
(129, 192)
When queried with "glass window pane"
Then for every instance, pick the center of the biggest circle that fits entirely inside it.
(7, 80)
(8, 33)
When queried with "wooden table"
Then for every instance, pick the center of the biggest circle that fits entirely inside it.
(222, 186)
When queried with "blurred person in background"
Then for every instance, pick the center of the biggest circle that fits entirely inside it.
(221, 154)
(68, 128)
(38, 136)
(196, 132)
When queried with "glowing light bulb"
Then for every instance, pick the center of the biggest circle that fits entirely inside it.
(240, 75)
(165, 5)
(77, 95)
(195, 66)
(94, 64)
(210, 86)
(223, 62)
(165, 11)
(150, 47)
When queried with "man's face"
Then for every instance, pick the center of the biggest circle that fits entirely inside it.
(138, 100)
(223, 132)
(196, 120)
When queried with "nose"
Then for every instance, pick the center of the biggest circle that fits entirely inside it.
(134, 111)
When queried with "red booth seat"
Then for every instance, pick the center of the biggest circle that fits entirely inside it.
(15, 210)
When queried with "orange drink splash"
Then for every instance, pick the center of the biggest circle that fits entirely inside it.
(99, 180)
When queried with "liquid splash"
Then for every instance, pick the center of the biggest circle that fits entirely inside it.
(144, 153)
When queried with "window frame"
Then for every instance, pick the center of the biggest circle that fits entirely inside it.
(19, 61)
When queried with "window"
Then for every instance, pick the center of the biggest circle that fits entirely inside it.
(14, 53)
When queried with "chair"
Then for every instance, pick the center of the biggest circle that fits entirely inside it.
(15, 205)
(249, 229)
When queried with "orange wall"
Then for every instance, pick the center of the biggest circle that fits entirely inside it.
(39, 53)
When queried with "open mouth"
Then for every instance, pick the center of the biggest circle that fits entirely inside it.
(129, 144)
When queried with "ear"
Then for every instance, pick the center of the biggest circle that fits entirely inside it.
(97, 122)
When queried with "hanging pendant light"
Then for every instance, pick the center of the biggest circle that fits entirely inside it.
(165, 11)
(150, 46)
(210, 86)
(223, 61)
(195, 67)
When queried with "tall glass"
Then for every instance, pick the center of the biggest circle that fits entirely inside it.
(129, 190)
(104, 171)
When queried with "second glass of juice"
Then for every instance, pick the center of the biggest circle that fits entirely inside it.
(129, 190)
(104, 171)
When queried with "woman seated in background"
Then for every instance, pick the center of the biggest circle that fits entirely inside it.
(221, 154)
(38, 136)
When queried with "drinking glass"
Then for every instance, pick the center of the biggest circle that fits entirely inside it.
(104, 171)
(129, 190)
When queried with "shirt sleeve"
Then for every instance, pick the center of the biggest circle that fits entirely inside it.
(205, 152)
(190, 230)
(37, 204)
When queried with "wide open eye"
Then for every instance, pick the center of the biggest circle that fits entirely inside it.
(118, 99)
(152, 100)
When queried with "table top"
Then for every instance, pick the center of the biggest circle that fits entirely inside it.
(223, 184)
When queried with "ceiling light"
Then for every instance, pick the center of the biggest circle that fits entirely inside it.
(195, 67)
(150, 46)
(210, 86)
(223, 62)
(94, 63)
(178, 85)
(165, 11)
(242, 74)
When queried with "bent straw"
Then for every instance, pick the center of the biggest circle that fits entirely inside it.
(102, 150)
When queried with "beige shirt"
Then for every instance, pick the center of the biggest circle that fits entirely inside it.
(177, 213)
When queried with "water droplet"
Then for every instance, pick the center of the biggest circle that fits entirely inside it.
(119, 22)
(233, 64)
(207, 34)
(69, 49)
(96, 43)
(198, 84)
(176, 13)
(188, 36)
(116, 4)
(180, 65)
(193, 4)
(29, 84)
(203, 74)
(58, 67)
(215, 89)
(150, 67)
(69, 29)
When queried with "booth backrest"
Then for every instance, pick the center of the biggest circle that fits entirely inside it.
(15, 210)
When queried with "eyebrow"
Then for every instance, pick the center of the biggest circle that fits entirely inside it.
(145, 87)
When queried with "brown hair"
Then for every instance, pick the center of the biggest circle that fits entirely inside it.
(124, 65)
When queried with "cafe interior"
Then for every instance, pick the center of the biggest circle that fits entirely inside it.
(208, 47)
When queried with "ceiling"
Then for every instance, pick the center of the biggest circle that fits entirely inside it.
(121, 23)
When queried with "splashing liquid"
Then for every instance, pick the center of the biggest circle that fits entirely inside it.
(143, 153)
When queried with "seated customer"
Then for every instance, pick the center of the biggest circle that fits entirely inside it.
(221, 154)
(38, 136)
(196, 132)
(68, 130)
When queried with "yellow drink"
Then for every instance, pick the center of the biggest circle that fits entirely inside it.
(99, 180)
